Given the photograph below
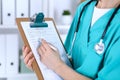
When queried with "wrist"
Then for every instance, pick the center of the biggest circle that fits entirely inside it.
(59, 66)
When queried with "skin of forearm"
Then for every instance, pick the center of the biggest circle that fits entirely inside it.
(69, 74)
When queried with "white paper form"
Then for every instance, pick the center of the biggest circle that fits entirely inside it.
(50, 35)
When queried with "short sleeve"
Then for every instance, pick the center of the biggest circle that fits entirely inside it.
(111, 68)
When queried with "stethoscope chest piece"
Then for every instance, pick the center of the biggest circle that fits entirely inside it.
(99, 47)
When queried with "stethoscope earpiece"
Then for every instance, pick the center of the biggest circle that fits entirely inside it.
(99, 47)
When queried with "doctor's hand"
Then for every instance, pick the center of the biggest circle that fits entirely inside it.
(28, 57)
(49, 56)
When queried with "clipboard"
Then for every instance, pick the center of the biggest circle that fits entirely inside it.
(35, 65)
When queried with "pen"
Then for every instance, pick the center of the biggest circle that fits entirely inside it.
(51, 46)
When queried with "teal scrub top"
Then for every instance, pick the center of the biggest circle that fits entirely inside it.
(85, 60)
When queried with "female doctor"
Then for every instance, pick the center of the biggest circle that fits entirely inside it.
(93, 42)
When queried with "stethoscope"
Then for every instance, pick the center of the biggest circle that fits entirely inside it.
(100, 46)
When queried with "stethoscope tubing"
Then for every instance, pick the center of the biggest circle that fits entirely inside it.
(104, 32)
(111, 18)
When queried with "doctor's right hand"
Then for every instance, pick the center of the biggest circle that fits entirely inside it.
(28, 57)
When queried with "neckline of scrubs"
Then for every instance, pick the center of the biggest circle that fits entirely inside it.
(98, 29)
(95, 25)
(88, 20)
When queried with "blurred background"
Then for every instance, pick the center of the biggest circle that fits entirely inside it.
(12, 66)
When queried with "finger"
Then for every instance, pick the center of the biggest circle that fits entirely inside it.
(43, 49)
(45, 44)
(23, 48)
(40, 51)
(26, 51)
(53, 47)
(29, 65)
(49, 46)
(28, 57)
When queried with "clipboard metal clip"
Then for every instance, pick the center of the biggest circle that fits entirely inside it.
(38, 21)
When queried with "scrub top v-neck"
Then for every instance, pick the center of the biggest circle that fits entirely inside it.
(84, 58)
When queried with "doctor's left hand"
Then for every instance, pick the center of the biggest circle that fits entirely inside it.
(49, 57)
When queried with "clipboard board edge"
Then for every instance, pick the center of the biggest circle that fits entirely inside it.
(35, 67)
